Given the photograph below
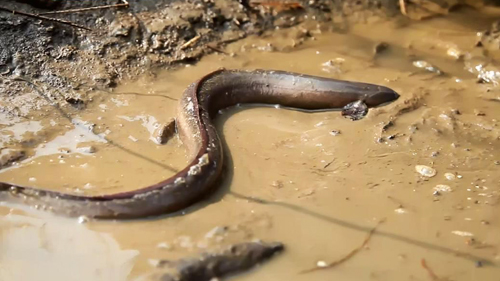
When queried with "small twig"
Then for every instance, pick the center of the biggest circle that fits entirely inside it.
(126, 5)
(433, 275)
(402, 7)
(348, 256)
(45, 18)
(329, 163)
(400, 204)
(190, 42)
(215, 49)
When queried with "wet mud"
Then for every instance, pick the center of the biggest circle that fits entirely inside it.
(428, 164)
(69, 55)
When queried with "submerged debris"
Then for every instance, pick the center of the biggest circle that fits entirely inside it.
(76, 102)
(355, 110)
(427, 66)
(211, 266)
(164, 132)
(449, 176)
(8, 156)
(380, 48)
(425, 171)
(431, 273)
(335, 132)
(442, 188)
(323, 265)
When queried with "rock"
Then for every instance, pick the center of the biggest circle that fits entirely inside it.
(213, 265)
(425, 171)
(164, 132)
(7, 156)
(355, 110)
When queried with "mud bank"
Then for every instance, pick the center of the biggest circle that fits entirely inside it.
(66, 62)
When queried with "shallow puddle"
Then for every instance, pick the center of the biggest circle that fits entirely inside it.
(315, 181)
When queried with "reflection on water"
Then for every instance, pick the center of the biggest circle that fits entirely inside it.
(59, 249)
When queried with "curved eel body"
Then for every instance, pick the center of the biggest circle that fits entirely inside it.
(199, 104)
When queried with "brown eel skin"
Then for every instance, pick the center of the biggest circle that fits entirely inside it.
(198, 106)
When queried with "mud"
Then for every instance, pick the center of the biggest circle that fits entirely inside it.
(68, 62)
(428, 164)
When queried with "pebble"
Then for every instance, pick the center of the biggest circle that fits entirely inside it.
(449, 176)
(7, 156)
(154, 262)
(335, 132)
(86, 149)
(321, 264)
(164, 245)
(442, 188)
(83, 219)
(425, 171)
(164, 132)
(218, 230)
(401, 211)
(427, 66)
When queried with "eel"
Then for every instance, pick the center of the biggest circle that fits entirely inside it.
(198, 105)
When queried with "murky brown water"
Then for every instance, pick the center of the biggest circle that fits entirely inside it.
(323, 191)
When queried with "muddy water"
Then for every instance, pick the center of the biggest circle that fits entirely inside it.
(316, 182)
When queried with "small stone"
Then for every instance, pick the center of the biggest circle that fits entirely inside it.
(86, 149)
(321, 264)
(278, 184)
(8, 156)
(335, 132)
(154, 262)
(427, 66)
(442, 188)
(355, 110)
(401, 211)
(380, 47)
(479, 264)
(449, 176)
(83, 219)
(216, 231)
(164, 245)
(425, 171)
(164, 132)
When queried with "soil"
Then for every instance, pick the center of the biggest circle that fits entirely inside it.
(68, 62)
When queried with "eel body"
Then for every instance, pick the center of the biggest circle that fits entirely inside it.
(198, 106)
